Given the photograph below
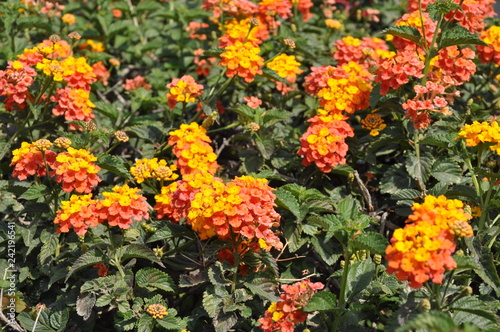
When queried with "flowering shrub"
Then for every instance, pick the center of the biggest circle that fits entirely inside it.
(249, 165)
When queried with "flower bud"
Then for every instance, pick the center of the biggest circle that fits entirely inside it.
(121, 136)
(425, 305)
(62, 143)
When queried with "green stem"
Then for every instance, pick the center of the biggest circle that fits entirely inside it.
(229, 126)
(343, 286)
(435, 294)
(115, 261)
(416, 141)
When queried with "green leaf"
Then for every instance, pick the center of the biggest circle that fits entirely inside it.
(405, 32)
(447, 170)
(359, 276)
(329, 251)
(149, 132)
(114, 164)
(152, 279)
(35, 192)
(432, 320)
(420, 168)
(272, 75)
(104, 300)
(441, 8)
(145, 324)
(148, 6)
(484, 259)
(59, 319)
(108, 110)
(265, 146)
(91, 257)
(374, 242)
(272, 116)
(475, 311)
(29, 22)
(216, 274)
(264, 290)
(171, 321)
(212, 304)
(407, 194)
(395, 179)
(213, 52)
(26, 321)
(287, 200)
(459, 35)
(48, 249)
(136, 250)
(321, 301)
(247, 111)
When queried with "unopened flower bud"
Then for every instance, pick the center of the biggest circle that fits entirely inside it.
(289, 42)
(42, 144)
(54, 38)
(209, 120)
(114, 62)
(158, 252)
(425, 305)
(253, 22)
(467, 290)
(253, 127)
(121, 136)
(90, 126)
(459, 252)
(342, 264)
(377, 259)
(62, 143)
(74, 35)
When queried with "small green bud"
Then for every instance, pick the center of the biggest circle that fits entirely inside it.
(377, 259)
(425, 305)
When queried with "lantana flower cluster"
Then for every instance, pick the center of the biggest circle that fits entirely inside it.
(243, 206)
(287, 67)
(490, 53)
(72, 77)
(482, 133)
(288, 311)
(324, 142)
(421, 251)
(183, 90)
(451, 67)
(73, 168)
(153, 169)
(191, 146)
(118, 208)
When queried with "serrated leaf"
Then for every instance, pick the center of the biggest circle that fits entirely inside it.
(326, 249)
(58, 319)
(374, 242)
(395, 179)
(225, 321)
(89, 258)
(148, 6)
(321, 301)
(212, 304)
(272, 116)
(484, 259)
(136, 250)
(191, 279)
(213, 52)
(405, 32)
(420, 168)
(171, 321)
(272, 75)
(441, 8)
(359, 276)
(152, 278)
(35, 192)
(407, 194)
(104, 300)
(84, 305)
(48, 249)
(265, 146)
(114, 164)
(26, 321)
(287, 200)
(432, 320)
(29, 22)
(476, 309)
(264, 290)
(149, 132)
(161, 234)
(145, 324)
(459, 35)
(447, 170)
(465, 263)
